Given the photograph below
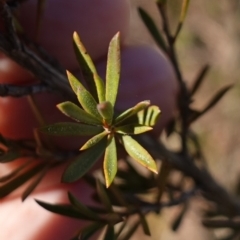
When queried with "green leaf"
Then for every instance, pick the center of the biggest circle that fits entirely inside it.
(85, 98)
(109, 235)
(178, 220)
(84, 162)
(113, 69)
(184, 10)
(183, 14)
(211, 104)
(110, 161)
(144, 224)
(41, 4)
(62, 209)
(131, 111)
(34, 184)
(151, 26)
(104, 196)
(200, 77)
(100, 87)
(82, 208)
(132, 129)
(71, 129)
(88, 231)
(73, 111)
(106, 111)
(149, 116)
(9, 156)
(19, 180)
(138, 153)
(122, 227)
(15, 172)
(86, 64)
(131, 230)
(94, 140)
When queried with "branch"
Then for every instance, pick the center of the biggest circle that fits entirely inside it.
(227, 204)
(19, 91)
(11, 45)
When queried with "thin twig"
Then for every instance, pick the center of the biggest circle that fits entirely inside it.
(20, 91)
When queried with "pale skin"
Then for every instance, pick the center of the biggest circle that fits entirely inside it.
(146, 75)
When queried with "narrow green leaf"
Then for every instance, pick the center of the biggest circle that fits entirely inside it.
(200, 77)
(19, 180)
(82, 208)
(144, 224)
(149, 116)
(212, 103)
(110, 161)
(34, 184)
(132, 229)
(184, 10)
(162, 178)
(183, 14)
(138, 153)
(132, 129)
(62, 209)
(113, 69)
(88, 231)
(109, 235)
(178, 220)
(100, 86)
(120, 230)
(70, 129)
(85, 98)
(151, 26)
(94, 140)
(106, 111)
(9, 156)
(131, 111)
(86, 64)
(73, 111)
(104, 196)
(15, 172)
(41, 4)
(84, 162)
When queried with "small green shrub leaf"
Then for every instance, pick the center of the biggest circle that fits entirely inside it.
(138, 153)
(88, 231)
(104, 196)
(85, 98)
(82, 208)
(9, 156)
(84, 162)
(62, 209)
(94, 140)
(110, 161)
(151, 26)
(149, 116)
(113, 69)
(106, 111)
(132, 111)
(73, 111)
(133, 129)
(71, 129)
(20, 180)
(109, 235)
(86, 64)
(100, 87)
(144, 224)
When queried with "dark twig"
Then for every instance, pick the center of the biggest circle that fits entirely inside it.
(19, 91)
(203, 179)
(24, 56)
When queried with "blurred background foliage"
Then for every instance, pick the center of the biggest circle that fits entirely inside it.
(210, 35)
